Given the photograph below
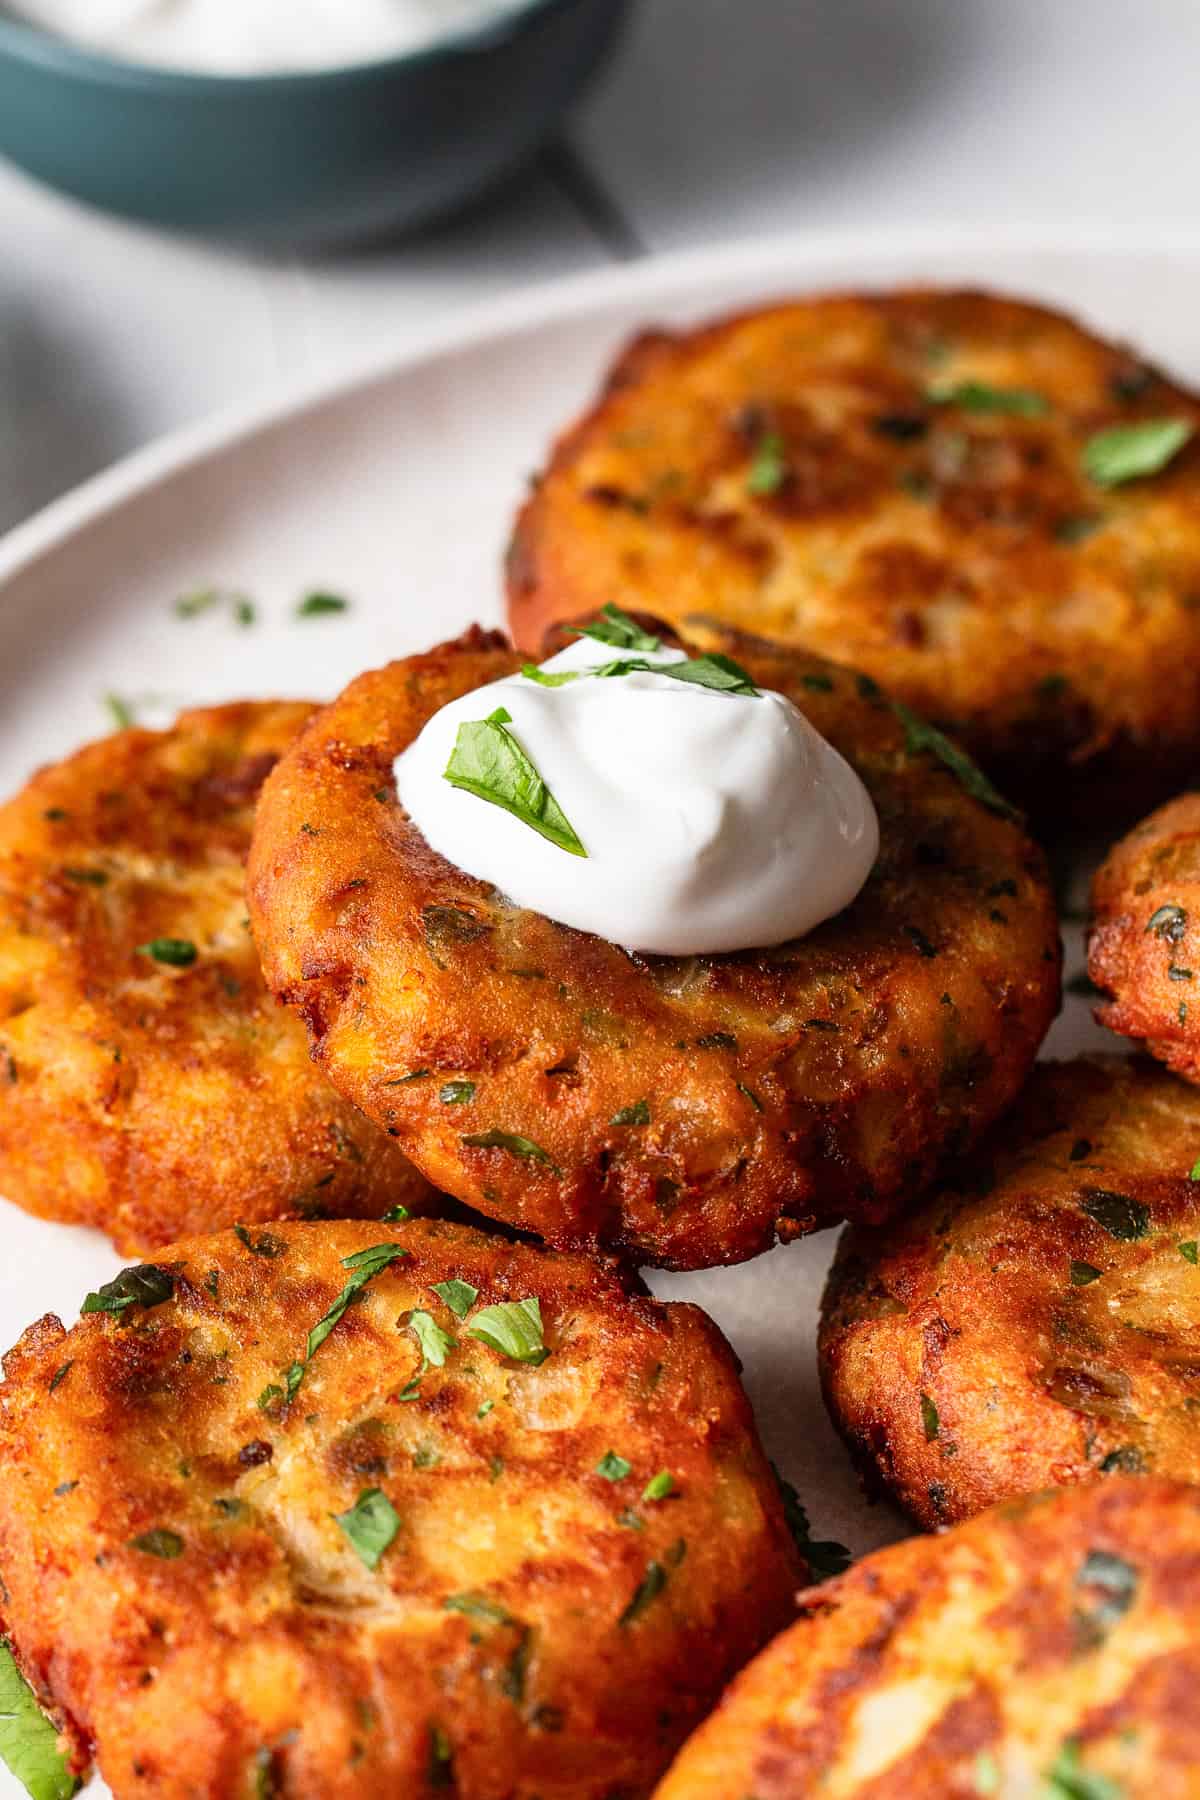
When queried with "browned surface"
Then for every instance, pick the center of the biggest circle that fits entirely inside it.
(1037, 1323)
(1144, 942)
(961, 557)
(145, 1099)
(265, 1658)
(782, 1089)
(1049, 1648)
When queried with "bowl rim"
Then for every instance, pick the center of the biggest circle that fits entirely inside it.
(34, 45)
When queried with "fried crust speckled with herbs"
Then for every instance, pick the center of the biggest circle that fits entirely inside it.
(1144, 937)
(149, 1084)
(1037, 1322)
(685, 1110)
(1050, 1647)
(298, 1518)
(900, 481)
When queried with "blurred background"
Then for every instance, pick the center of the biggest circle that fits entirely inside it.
(709, 120)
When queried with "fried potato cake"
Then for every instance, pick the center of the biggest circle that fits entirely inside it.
(149, 1084)
(682, 1109)
(347, 1510)
(1144, 938)
(1037, 1321)
(901, 481)
(1050, 1647)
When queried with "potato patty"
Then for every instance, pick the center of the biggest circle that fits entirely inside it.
(1037, 1322)
(1049, 1648)
(149, 1084)
(682, 1109)
(1144, 940)
(344, 1510)
(900, 482)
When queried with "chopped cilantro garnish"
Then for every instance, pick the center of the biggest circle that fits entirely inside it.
(659, 1487)
(457, 1093)
(158, 1542)
(921, 738)
(516, 1146)
(370, 1525)
(769, 469)
(613, 1467)
(318, 605)
(930, 1421)
(146, 1285)
(459, 1296)
(978, 396)
(177, 953)
(120, 711)
(637, 1114)
(487, 761)
(514, 1329)
(1084, 1273)
(28, 1740)
(1118, 1214)
(1068, 1779)
(435, 1343)
(1128, 452)
(1190, 1251)
(617, 628)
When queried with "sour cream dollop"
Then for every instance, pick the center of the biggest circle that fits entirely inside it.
(711, 821)
(254, 37)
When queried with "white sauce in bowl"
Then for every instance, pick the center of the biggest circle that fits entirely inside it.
(711, 821)
(254, 37)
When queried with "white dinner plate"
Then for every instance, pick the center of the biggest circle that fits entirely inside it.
(394, 486)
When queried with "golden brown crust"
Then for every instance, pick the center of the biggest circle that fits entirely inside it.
(1050, 1647)
(1144, 939)
(961, 556)
(144, 1098)
(1037, 1322)
(684, 1110)
(176, 1580)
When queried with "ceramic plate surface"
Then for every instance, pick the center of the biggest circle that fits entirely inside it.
(395, 487)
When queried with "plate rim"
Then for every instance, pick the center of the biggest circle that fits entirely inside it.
(544, 303)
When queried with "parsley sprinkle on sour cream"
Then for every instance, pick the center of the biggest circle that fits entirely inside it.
(658, 800)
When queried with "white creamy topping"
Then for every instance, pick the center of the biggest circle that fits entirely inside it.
(711, 821)
(254, 37)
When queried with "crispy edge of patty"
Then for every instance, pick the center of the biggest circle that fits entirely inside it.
(684, 1110)
(1052, 1643)
(959, 610)
(1144, 935)
(1033, 1323)
(180, 1586)
(137, 1095)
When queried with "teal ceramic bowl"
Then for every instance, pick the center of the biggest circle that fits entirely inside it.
(335, 155)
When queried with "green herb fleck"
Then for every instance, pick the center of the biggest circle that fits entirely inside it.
(637, 1114)
(1067, 1779)
(1190, 1251)
(459, 1296)
(516, 1146)
(749, 1094)
(177, 953)
(1168, 922)
(921, 738)
(64, 1369)
(319, 605)
(370, 1525)
(769, 469)
(659, 1487)
(1128, 452)
(929, 1418)
(617, 628)
(487, 761)
(652, 1583)
(613, 1467)
(457, 1093)
(1084, 1273)
(265, 1244)
(159, 1542)
(366, 1264)
(1113, 1582)
(28, 1740)
(514, 1329)
(1118, 1214)
(479, 1607)
(987, 1773)
(824, 1557)
(395, 1215)
(977, 396)
(435, 1343)
(146, 1285)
